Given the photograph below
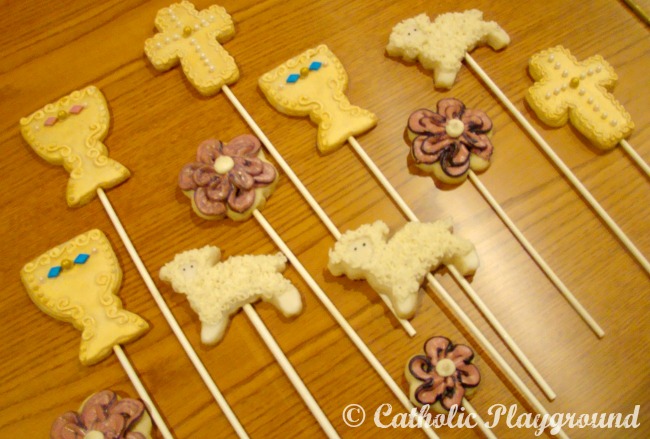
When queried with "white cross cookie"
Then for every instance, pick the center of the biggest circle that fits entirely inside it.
(192, 38)
(566, 89)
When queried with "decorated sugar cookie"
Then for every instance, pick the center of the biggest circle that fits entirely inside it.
(77, 282)
(443, 376)
(69, 133)
(569, 90)
(313, 84)
(396, 267)
(228, 179)
(104, 415)
(217, 289)
(192, 38)
(450, 141)
(442, 44)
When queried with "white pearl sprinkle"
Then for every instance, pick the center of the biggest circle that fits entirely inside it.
(590, 72)
(556, 91)
(590, 100)
(604, 115)
(176, 37)
(557, 66)
(551, 58)
(596, 108)
(548, 95)
(563, 87)
(193, 40)
(158, 45)
(599, 69)
(582, 76)
(197, 27)
(204, 23)
(167, 40)
(211, 69)
(202, 56)
(565, 73)
(582, 92)
(613, 122)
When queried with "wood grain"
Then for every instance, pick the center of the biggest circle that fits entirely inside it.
(158, 119)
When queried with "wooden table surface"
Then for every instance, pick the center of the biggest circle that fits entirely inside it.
(157, 121)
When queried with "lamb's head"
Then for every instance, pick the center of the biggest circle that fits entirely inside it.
(355, 252)
(409, 37)
(187, 268)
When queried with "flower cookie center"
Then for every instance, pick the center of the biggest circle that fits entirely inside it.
(445, 367)
(94, 434)
(455, 128)
(223, 164)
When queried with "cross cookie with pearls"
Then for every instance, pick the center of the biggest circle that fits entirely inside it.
(566, 89)
(192, 38)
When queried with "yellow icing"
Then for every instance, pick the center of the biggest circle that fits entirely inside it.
(319, 95)
(192, 38)
(84, 294)
(74, 141)
(568, 90)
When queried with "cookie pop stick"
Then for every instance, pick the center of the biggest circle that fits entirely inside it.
(453, 142)
(444, 55)
(77, 282)
(566, 90)
(234, 180)
(69, 133)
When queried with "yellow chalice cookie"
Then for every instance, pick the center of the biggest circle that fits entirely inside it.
(192, 38)
(69, 132)
(568, 90)
(77, 282)
(313, 84)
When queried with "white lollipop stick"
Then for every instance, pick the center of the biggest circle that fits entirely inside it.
(536, 256)
(142, 392)
(636, 158)
(507, 339)
(481, 423)
(180, 335)
(505, 367)
(560, 164)
(327, 303)
(302, 189)
(288, 369)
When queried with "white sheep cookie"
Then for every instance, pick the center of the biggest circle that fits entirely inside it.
(216, 289)
(441, 45)
(396, 268)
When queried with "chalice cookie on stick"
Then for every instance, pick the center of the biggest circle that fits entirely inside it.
(77, 282)
(567, 90)
(275, 85)
(413, 38)
(452, 143)
(104, 414)
(69, 133)
(234, 180)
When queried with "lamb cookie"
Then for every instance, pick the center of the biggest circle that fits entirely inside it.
(216, 289)
(442, 44)
(77, 282)
(396, 268)
(192, 38)
(228, 180)
(313, 84)
(104, 415)
(568, 90)
(443, 376)
(69, 133)
(451, 141)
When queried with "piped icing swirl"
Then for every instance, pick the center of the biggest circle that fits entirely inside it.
(450, 141)
(104, 415)
(443, 376)
(228, 179)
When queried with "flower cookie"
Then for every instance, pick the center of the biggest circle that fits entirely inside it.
(568, 90)
(69, 133)
(313, 84)
(192, 38)
(442, 44)
(451, 141)
(77, 282)
(217, 289)
(443, 376)
(396, 268)
(230, 179)
(104, 415)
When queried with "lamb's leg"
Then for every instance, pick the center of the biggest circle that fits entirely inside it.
(288, 302)
(212, 333)
(406, 302)
(466, 263)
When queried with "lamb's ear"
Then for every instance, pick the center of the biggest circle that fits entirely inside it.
(165, 273)
(210, 255)
(334, 262)
(380, 230)
(423, 21)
